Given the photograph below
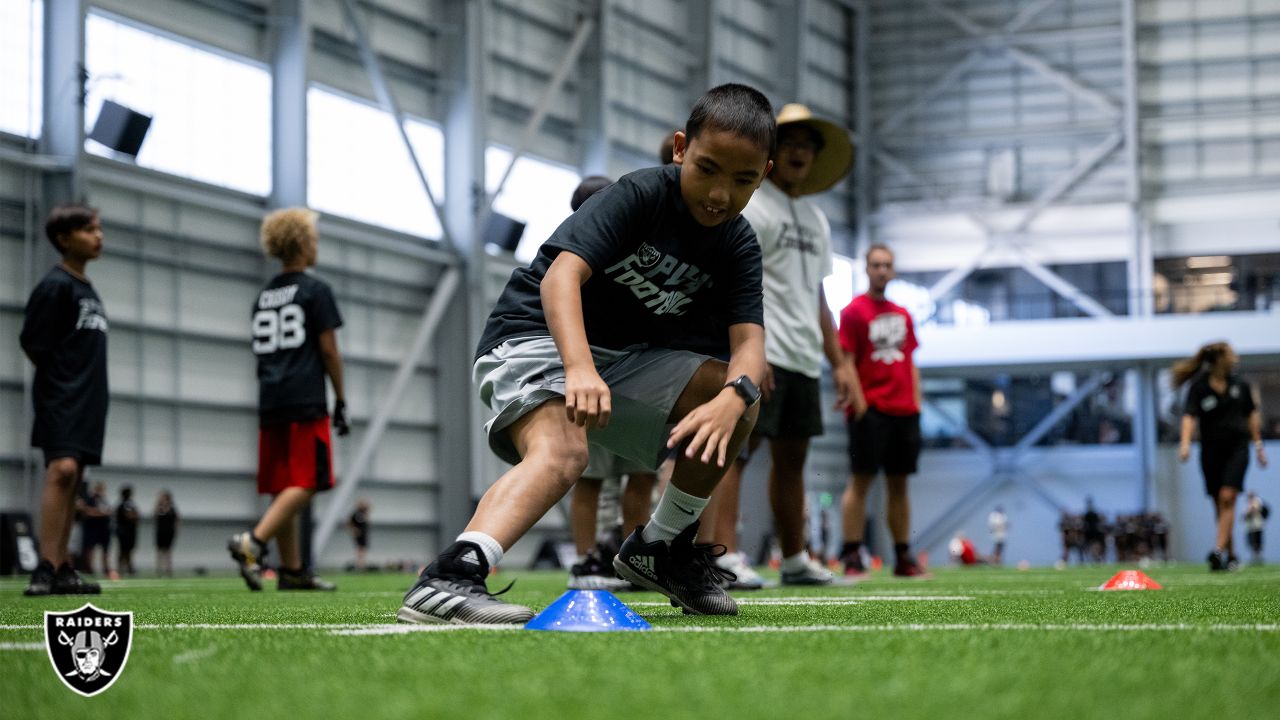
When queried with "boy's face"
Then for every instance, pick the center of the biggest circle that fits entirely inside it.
(84, 243)
(879, 269)
(720, 170)
(797, 147)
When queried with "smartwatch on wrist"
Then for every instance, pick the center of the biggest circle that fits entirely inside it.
(746, 389)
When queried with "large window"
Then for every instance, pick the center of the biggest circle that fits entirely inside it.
(537, 194)
(357, 165)
(848, 279)
(21, 47)
(1208, 283)
(211, 113)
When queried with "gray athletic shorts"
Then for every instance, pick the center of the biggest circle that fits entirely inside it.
(602, 464)
(644, 383)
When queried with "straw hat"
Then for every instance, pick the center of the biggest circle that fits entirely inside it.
(833, 160)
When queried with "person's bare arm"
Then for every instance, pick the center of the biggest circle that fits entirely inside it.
(1255, 432)
(1184, 443)
(843, 374)
(586, 396)
(710, 426)
(917, 388)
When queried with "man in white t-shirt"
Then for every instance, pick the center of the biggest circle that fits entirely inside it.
(998, 523)
(795, 242)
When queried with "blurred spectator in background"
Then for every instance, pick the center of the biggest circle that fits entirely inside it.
(95, 512)
(126, 531)
(167, 521)
(358, 526)
(998, 523)
(1256, 513)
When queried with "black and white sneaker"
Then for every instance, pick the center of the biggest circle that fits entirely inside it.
(248, 555)
(66, 581)
(41, 580)
(452, 590)
(684, 571)
(593, 574)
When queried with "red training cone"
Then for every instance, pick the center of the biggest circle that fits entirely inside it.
(1130, 580)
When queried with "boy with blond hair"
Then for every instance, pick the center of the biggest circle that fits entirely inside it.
(294, 324)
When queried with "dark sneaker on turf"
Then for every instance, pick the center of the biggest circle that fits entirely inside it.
(1218, 561)
(66, 581)
(909, 569)
(452, 590)
(1233, 562)
(593, 574)
(302, 581)
(248, 556)
(685, 572)
(41, 580)
(853, 567)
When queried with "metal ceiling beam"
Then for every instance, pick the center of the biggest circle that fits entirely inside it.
(388, 101)
(291, 45)
(1065, 81)
(1063, 183)
(586, 25)
(340, 498)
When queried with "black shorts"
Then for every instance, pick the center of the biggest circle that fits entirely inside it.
(1255, 540)
(1223, 466)
(884, 442)
(794, 408)
(83, 458)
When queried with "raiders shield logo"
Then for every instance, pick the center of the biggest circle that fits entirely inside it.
(88, 647)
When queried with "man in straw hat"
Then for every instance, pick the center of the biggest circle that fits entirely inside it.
(795, 242)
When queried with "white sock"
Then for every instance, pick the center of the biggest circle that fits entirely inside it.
(490, 547)
(676, 511)
(796, 562)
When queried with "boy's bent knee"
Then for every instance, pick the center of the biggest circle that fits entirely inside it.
(63, 472)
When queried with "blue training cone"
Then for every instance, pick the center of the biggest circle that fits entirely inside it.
(587, 611)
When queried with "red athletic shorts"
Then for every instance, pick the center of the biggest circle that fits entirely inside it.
(295, 454)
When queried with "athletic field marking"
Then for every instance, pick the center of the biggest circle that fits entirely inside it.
(401, 629)
(21, 646)
(194, 655)
(954, 627)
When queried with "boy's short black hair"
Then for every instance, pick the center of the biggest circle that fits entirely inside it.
(588, 187)
(739, 109)
(67, 218)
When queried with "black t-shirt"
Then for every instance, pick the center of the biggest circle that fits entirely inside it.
(360, 526)
(288, 317)
(65, 333)
(1223, 418)
(658, 278)
(166, 525)
(127, 519)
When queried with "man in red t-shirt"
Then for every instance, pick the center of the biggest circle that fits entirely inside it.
(884, 424)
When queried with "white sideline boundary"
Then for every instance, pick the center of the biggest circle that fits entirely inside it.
(405, 629)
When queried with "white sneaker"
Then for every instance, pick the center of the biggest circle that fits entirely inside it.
(736, 563)
(813, 573)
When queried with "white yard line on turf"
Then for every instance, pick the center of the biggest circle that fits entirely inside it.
(194, 655)
(21, 646)
(402, 629)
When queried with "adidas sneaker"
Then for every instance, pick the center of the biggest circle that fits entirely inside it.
(683, 571)
(452, 590)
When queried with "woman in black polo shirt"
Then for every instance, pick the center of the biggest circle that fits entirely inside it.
(1229, 419)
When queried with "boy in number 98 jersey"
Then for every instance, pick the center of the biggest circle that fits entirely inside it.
(294, 319)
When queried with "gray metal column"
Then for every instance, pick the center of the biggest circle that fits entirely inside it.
(62, 135)
(863, 168)
(463, 450)
(594, 93)
(291, 45)
(791, 21)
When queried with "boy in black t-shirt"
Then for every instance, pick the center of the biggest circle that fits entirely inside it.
(609, 333)
(126, 531)
(294, 323)
(64, 334)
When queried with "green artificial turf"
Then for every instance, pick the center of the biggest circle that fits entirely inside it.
(998, 644)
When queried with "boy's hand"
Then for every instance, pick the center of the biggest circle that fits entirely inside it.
(847, 389)
(709, 428)
(586, 398)
(1184, 452)
(340, 418)
(766, 383)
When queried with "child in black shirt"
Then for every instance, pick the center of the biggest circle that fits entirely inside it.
(294, 320)
(610, 332)
(64, 334)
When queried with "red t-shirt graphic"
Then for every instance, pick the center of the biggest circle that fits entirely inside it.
(881, 337)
